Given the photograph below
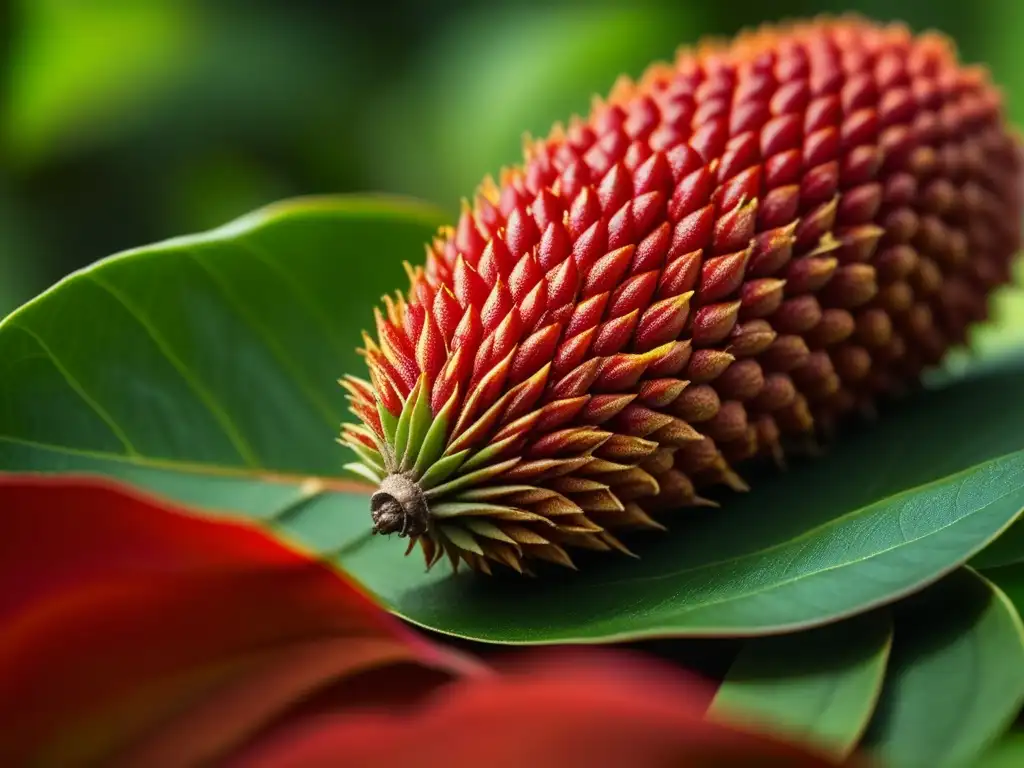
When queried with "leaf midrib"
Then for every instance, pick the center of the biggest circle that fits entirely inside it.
(76, 386)
(299, 377)
(213, 406)
(340, 484)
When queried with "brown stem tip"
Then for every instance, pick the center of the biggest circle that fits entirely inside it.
(399, 507)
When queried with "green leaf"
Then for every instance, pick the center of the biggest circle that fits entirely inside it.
(818, 687)
(207, 372)
(1006, 550)
(891, 508)
(956, 678)
(215, 354)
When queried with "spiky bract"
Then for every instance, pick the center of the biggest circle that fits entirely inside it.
(725, 257)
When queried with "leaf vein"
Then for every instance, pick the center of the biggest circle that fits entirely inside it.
(306, 298)
(300, 378)
(216, 410)
(341, 484)
(77, 387)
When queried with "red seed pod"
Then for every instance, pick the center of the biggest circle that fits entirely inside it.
(720, 258)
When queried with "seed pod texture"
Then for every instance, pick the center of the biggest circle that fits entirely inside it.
(726, 257)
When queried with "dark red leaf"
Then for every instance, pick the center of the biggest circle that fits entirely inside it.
(128, 623)
(566, 711)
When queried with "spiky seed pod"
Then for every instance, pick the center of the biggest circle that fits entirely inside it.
(727, 255)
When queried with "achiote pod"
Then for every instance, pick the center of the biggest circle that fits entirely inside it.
(725, 258)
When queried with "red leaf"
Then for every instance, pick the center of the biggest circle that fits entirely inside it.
(127, 624)
(569, 710)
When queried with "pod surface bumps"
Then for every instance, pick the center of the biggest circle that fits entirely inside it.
(725, 258)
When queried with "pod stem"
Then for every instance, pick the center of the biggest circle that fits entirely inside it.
(399, 506)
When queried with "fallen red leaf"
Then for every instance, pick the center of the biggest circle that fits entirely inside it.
(563, 712)
(135, 635)
(128, 625)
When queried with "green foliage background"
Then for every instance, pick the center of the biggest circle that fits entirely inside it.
(127, 121)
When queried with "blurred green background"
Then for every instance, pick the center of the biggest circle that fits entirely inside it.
(127, 121)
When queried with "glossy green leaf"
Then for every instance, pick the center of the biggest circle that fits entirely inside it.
(956, 678)
(1006, 550)
(892, 507)
(817, 687)
(211, 354)
(207, 371)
